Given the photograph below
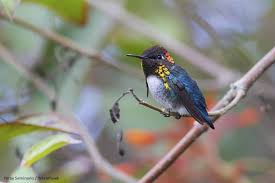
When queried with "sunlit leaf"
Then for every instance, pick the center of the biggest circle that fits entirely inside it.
(9, 6)
(37, 122)
(46, 146)
(75, 11)
(23, 175)
(140, 137)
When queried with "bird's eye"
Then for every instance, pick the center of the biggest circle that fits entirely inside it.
(160, 57)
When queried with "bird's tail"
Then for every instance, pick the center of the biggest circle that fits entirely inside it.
(209, 121)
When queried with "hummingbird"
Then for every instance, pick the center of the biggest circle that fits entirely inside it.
(171, 86)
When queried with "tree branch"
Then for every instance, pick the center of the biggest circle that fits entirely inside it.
(99, 162)
(232, 97)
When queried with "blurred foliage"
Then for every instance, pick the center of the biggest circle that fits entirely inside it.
(240, 149)
(9, 6)
(72, 10)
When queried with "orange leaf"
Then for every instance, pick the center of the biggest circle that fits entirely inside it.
(127, 168)
(249, 116)
(139, 137)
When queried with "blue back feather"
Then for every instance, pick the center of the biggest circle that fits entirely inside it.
(179, 75)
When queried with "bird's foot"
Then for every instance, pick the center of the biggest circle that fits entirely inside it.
(166, 112)
(177, 116)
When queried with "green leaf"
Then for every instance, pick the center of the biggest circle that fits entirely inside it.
(37, 122)
(9, 6)
(23, 175)
(75, 11)
(46, 146)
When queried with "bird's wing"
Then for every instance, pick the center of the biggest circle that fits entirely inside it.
(187, 101)
(189, 94)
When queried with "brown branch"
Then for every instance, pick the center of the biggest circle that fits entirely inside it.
(238, 90)
(209, 66)
(99, 162)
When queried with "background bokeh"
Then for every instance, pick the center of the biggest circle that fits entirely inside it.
(236, 34)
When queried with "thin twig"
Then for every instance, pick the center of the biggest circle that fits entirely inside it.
(240, 93)
(99, 162)
(146, 104)
(242, 85)
(222, 74)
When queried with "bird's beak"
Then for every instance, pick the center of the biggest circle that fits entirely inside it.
(136, 56)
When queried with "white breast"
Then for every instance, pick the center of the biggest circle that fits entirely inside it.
(154, 84)
(158, 92)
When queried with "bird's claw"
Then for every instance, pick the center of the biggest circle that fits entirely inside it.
(177, 116)
(166, 113)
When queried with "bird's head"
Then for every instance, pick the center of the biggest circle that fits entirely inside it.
(153, 58)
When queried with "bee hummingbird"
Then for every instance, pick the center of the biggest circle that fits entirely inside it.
(171, 86)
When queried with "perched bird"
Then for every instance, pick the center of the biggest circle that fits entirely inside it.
(171, 86)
